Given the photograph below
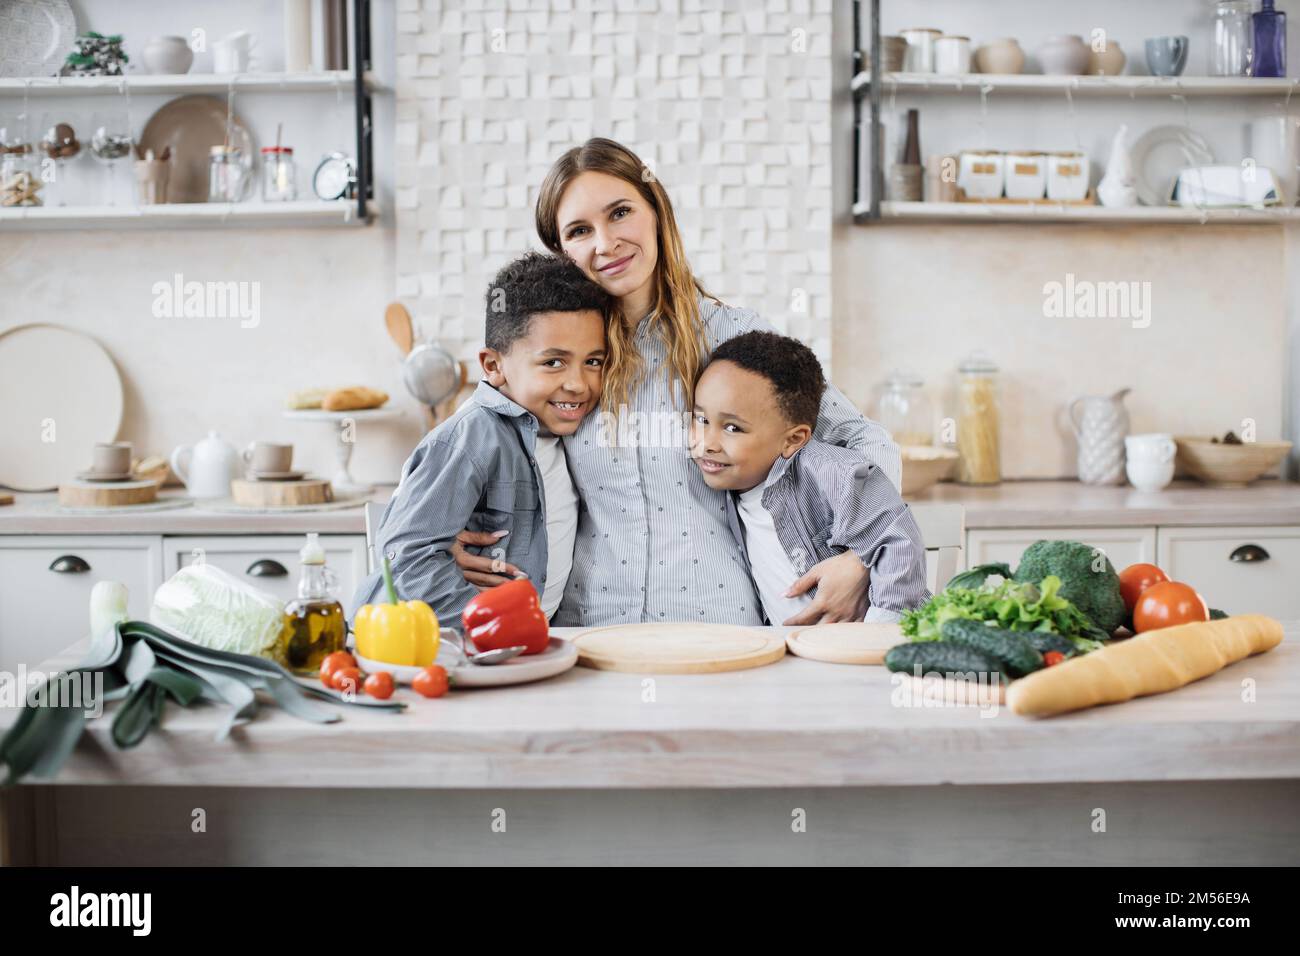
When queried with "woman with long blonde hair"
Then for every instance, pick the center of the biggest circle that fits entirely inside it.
(653, 542)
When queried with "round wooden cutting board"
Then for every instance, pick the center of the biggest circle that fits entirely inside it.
(849, 642)
(281, 494)
(103, 494)
(677, 648)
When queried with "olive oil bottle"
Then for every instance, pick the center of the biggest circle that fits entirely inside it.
(314, 622)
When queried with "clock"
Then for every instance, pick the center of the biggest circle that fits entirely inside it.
(335, 177)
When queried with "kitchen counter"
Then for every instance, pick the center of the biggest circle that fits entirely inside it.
(40, 513)
(1055, 504)
(790, 730)
(1013, 504)
(795, 722)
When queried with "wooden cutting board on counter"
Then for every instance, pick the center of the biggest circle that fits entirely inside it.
(105, 494)
(848, 642)
(677, 648)
(281, 494)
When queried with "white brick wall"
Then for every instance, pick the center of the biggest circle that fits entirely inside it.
(728, 103)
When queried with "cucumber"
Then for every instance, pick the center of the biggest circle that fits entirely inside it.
(941, 657)
(1011, 648)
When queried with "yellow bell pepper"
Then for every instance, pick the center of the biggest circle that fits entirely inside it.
(399, 632)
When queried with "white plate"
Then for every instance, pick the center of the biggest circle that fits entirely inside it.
(59, 394)
(1159, 155)
(556, 659)
(36, 36)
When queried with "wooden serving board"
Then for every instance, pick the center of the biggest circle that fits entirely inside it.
(103, 494)
(281, 494)
(677, 648)
(849, 642)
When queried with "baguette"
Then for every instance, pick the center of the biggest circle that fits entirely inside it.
(1151, 663)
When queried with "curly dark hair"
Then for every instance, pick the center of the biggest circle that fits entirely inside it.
(535, 283)
(787, 363)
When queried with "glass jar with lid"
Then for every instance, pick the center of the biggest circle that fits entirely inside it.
(978, 437)
(20, 182)
(227, 174)
(279, 175)
(904, 409)
(1234, 38)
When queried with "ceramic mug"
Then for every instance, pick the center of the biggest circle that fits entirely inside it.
(1166, 56)
(1149, 460)
(111, 458)
(268, 458)
(233, 54)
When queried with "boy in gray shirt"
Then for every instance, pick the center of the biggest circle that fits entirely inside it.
(497, 464)
(794, 501)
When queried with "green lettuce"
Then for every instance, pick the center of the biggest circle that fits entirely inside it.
(1009, 604)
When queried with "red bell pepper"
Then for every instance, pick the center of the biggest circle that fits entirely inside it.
(505, 616)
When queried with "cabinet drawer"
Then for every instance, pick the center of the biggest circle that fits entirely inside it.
(271, 563)
(1123, 546)
(1203, 558)
(45, 584)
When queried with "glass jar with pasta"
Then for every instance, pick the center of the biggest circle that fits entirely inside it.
(978, 440)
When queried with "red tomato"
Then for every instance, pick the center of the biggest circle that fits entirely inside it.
(332, 664)
(1135, 579)
(380, 685)
(1052, 658)
(347, 679)
(431, 682)
(1166, 604)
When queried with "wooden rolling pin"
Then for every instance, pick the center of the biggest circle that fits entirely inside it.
(1151, 663)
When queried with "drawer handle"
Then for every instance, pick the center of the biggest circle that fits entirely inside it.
(1248, 552)
(69, 564)
(266, 568)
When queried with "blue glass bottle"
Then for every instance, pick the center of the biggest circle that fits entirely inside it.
(1270, 42)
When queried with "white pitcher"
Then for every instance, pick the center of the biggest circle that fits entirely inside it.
(1100, 424)
(206, 467)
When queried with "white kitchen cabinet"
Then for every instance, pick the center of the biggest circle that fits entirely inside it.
(1123, 546)
(45, 584)
(1240, 570)
(271, 562)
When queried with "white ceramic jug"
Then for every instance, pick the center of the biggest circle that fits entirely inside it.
(1100, 424)
(206, 467)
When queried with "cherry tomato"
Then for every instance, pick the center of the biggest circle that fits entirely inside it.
(1166, 604)
(347, 679)
(431, 682)
(333, 663)
(380, 685)
(1135, 579)
(1053, 657)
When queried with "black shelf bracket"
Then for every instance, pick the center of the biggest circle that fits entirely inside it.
(364, 119)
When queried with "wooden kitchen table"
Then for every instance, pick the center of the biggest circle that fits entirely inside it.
(796, 762)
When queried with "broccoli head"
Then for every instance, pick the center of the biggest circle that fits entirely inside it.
(1088, 579)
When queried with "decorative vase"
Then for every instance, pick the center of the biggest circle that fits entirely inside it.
(168, 55)
(1000, 56)
(1118, 188)
(1064, 55)
(1108, 61)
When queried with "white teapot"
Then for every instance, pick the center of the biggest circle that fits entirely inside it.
(206, 467)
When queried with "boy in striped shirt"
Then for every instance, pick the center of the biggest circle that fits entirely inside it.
(793, 501)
